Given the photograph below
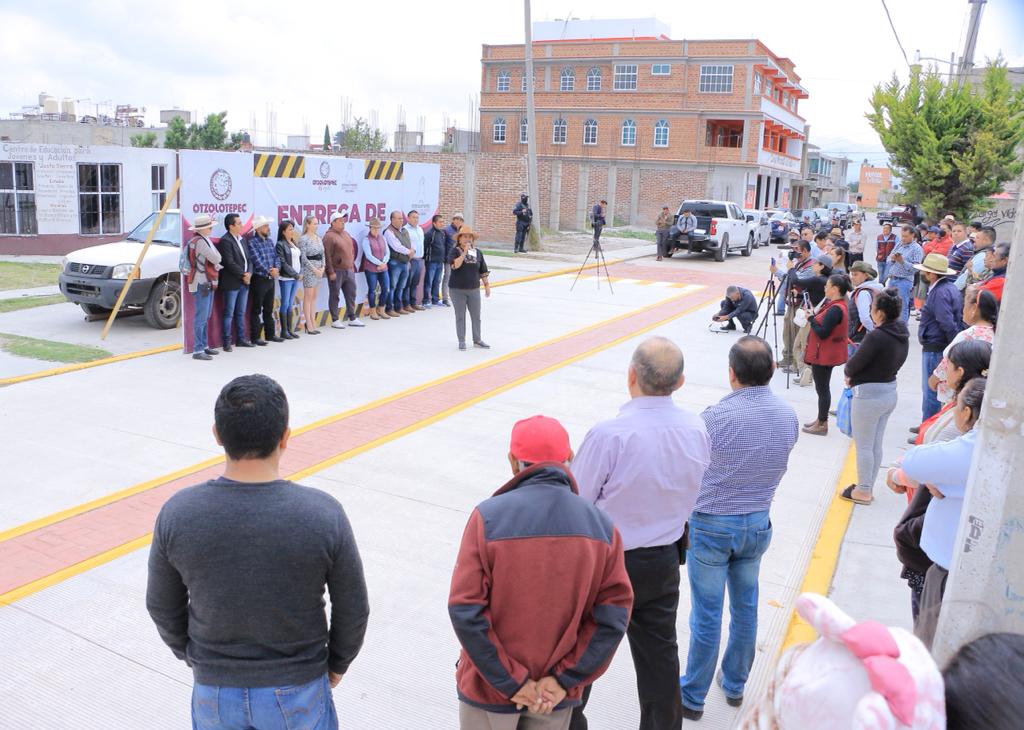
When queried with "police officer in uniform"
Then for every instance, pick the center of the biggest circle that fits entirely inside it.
(524, 216)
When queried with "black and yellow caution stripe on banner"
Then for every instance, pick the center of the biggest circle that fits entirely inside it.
(383, 170)
(268, 165)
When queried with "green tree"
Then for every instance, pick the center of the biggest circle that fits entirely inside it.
(951, 144)
(212, 134)
(327, 139)
(146, 139)
(177, 135)
(361, 137)
(854, 186)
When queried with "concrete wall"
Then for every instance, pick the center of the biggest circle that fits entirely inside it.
(38, 131)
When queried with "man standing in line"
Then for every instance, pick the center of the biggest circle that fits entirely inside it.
(885, 243)
(398, 265)
(415, 233)
(997, 259)
(201, 274)
(730, 528)
(266, 267)
(450, 232)
(342, 257)
(662, 226)
(524, 217)
(962, 250)
(797, 270)
(237, 572)
(940, 323)
(900, 267)
(644, 469)
(976, 271)
(597, 218)
(686, 224)
(234, 281)
(435, 250)
(532, 638)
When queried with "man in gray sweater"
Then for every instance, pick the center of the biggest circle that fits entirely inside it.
(237, 573)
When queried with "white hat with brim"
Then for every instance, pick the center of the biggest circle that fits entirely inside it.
(260, 221)
(202, 222)
(935, 263)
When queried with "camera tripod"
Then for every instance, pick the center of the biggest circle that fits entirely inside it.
(600, 260)
(768, 298)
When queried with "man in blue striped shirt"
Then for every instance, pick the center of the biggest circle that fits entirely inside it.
(752, 433)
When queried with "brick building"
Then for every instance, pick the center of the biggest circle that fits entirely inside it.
(627, 114)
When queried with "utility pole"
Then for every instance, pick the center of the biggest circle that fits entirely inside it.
(985, 589)
(532, 185)
(967, 60)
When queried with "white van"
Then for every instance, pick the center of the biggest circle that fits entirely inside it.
(94, 277)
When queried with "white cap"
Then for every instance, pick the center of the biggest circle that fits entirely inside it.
(336, 216)
(458, 215)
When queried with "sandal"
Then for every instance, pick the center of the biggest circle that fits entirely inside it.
(847, 494)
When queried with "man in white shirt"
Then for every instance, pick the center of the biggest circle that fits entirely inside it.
(416, 261)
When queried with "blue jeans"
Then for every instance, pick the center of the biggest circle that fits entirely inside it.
(432, 282)
(296, 707)
(373, 279)
(725, 550)
(288, 287)
(201, 322)
(399, 273)
(904, 287)
(409, 294)
(929, 398)
(883, 269)
(234, 311)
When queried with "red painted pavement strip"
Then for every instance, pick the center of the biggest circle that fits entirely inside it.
(45, 551)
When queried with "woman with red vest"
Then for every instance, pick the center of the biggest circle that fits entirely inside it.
(826, 346)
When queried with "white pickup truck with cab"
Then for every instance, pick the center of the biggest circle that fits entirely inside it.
(94, 277)
(721, 227)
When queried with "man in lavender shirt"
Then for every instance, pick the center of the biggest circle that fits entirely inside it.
(644, 468)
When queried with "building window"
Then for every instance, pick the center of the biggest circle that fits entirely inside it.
(524, 131)
(590, 132)
(17, 199)
(99, 199)
(523, 84)
(757, 84)
(769, 88)
(724, 133)
(625, 77)
(499, 130)
(594, 79)
(661, 69)
(158, 183)
(504, 80)
(568, 80)
(628, 133)
(661, 133)
(715, 79)
(785, 99)
(558, 132)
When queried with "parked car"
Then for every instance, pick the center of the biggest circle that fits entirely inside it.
(899, 214)
(760, 225)
(781, 222)
(721, 227)
(808, 216)
(93, 277)
(846, 212)
(824, 219)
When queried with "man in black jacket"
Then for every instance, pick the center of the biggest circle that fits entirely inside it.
(234, 281)
(435, 253)
(524, 217)
(739, 303)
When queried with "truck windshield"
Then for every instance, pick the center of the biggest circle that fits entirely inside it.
(168, 234)
(709, 210)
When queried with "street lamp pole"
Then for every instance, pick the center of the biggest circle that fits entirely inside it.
(531, 131)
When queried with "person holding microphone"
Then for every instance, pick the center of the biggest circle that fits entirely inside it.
(469, 269)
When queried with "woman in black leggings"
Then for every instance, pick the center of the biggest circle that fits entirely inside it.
(826, 346)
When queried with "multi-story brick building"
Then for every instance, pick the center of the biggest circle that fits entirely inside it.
(665, 118)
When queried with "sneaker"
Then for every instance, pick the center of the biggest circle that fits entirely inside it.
(337, 325)
(462, 345)
(482, 345)
(446, 303)
(227, 347)
(204, 356)
(211, 351)
(244, 343)
(356, 323)
(419, 308)
(428, 305)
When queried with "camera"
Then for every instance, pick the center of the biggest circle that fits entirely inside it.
(793, 255)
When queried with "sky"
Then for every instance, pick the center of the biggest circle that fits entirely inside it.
(304, 59)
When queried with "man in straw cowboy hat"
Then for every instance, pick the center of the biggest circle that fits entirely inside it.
(199, 268)
(261, 289)
(940, 322)
(469, 269)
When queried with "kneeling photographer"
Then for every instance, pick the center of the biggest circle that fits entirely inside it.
(739, 303)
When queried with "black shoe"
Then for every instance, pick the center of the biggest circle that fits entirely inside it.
(227, 347)
(261, 343)
(915, 429)
(462, 345)
(211, 351)
(286, 335)
(746, 330)
(244, 343)
(275, 338)
(200, 356)
(730, 326)
(482, 345)
(690, 714)
(731, 701)
(294, 334)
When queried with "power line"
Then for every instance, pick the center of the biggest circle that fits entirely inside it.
(895, 34)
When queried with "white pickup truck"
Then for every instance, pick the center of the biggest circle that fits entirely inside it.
(721, 227)
(94, 277)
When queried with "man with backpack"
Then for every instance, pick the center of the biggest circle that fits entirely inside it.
(199, 264)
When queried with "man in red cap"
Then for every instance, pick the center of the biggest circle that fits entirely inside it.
(540, 598)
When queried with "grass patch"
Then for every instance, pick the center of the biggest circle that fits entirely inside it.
(13, 305)
(49, 350)
(497, 252)
(14, 275)
(643, 235)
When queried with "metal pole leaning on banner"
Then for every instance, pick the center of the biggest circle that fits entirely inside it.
(171, 195)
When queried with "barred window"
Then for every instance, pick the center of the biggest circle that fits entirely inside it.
(18, 198)
(628, 133)
(504, 81)
(524, 131)
(661, 133)
(590, 132)
(524, 81)
(757, 84)
(625, 77)
(558, 132)
(499, 130)
(594, 79)
(715, 79)
(568, 80)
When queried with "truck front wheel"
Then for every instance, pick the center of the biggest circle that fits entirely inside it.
(163, 306)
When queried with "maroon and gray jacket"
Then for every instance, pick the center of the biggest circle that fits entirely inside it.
(539, 588)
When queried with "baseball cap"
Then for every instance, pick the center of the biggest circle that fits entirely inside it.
(864, 267)
(459, 216)
(540, 438)
(934, 229)
(824, 259)
(336, 216)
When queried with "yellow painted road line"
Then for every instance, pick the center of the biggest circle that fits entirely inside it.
(551, 274)
(822, 566)
(121, 550)
(86, 365)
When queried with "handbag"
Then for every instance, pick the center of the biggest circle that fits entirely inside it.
(800, 318)
(843, 412)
